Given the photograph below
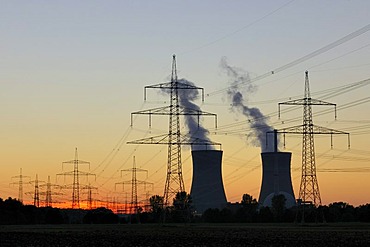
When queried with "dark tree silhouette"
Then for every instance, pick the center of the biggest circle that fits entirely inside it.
(278, 207)
(182, 204)
(156, 207)
(248, 211)
(100, 216)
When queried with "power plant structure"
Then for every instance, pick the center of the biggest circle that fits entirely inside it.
(48, 202)
(309, 193)
(276, 177)
(20, 184)
(76, 173)
(207, 189)
(174, 139)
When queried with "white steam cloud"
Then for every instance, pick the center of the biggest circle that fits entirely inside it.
(192, 122)
(257, 121)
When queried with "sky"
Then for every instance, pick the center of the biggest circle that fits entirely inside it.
(72, 72)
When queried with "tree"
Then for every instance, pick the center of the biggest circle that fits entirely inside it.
(211, 215)
(248, 199)
(340, 212)
(100, 216)
(278, 207)
(156, 207)
(156, 203)
(181, 207)
(53, 216)
(248, 211)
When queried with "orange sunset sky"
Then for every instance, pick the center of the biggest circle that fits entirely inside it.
(71, 74)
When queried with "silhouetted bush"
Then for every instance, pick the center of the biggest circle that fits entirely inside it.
(100, 216)
(53, 216)
(248, 211)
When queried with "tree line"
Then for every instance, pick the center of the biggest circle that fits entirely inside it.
(247, 210)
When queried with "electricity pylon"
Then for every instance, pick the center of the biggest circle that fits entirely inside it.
(134, 182)
(174, 179)
(20, 183)
(36, 193)
(48, 193)
(89, 191)
(309, 192)
(76, 173)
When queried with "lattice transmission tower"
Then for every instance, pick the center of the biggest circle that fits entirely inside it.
(20, 183)
(309, 192)
(174, 179)
(76, 173)
(36, 193)
(134, 183)
(49, 192)
(90, 191)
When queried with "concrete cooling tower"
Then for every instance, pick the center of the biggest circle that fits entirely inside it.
(207, 189)
(276, 178)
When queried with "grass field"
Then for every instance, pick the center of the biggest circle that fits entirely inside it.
(345, 234)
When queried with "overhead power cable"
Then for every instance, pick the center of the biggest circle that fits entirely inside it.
(304, 58)
(238, 30)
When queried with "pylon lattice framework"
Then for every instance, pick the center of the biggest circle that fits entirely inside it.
(20, 184)
(76, 173)
(89, 191)
(174, 179)
(134, 182)
(48, 193)
(309, 192)
(36, 193)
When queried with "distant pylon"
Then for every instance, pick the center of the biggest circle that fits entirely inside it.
(89, 193)
(134, 182)
(20, 185)
(36, 195)
(309, 192)
(174, 179)
(76, 176)
(48, 199)
(48, 193)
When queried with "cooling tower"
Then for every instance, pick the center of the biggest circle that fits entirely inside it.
(276, 178)
(207, 189)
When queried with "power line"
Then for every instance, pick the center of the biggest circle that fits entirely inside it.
(238, 30)
(304, 58)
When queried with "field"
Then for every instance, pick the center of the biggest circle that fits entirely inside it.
(187, 235)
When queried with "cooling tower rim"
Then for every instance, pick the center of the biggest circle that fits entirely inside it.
(208, 151)
(276, 153)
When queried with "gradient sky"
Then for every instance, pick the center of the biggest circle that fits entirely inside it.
(71, 72)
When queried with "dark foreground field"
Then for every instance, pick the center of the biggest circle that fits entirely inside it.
(186, 235)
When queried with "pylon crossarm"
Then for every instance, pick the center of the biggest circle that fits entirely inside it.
(166, 110)
(188, 140)
(164, 139)
(88, 187)
(169, 85)
(307, 101)
(76, 161)
(67, 186)
(304, 101)
(317, 130)
(190, 111)
(323, 130)
(80, 173)
(161, 139)
(298, 129)
(135, 170)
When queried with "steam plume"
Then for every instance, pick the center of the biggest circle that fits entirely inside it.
(257, 121)
(192, 122)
